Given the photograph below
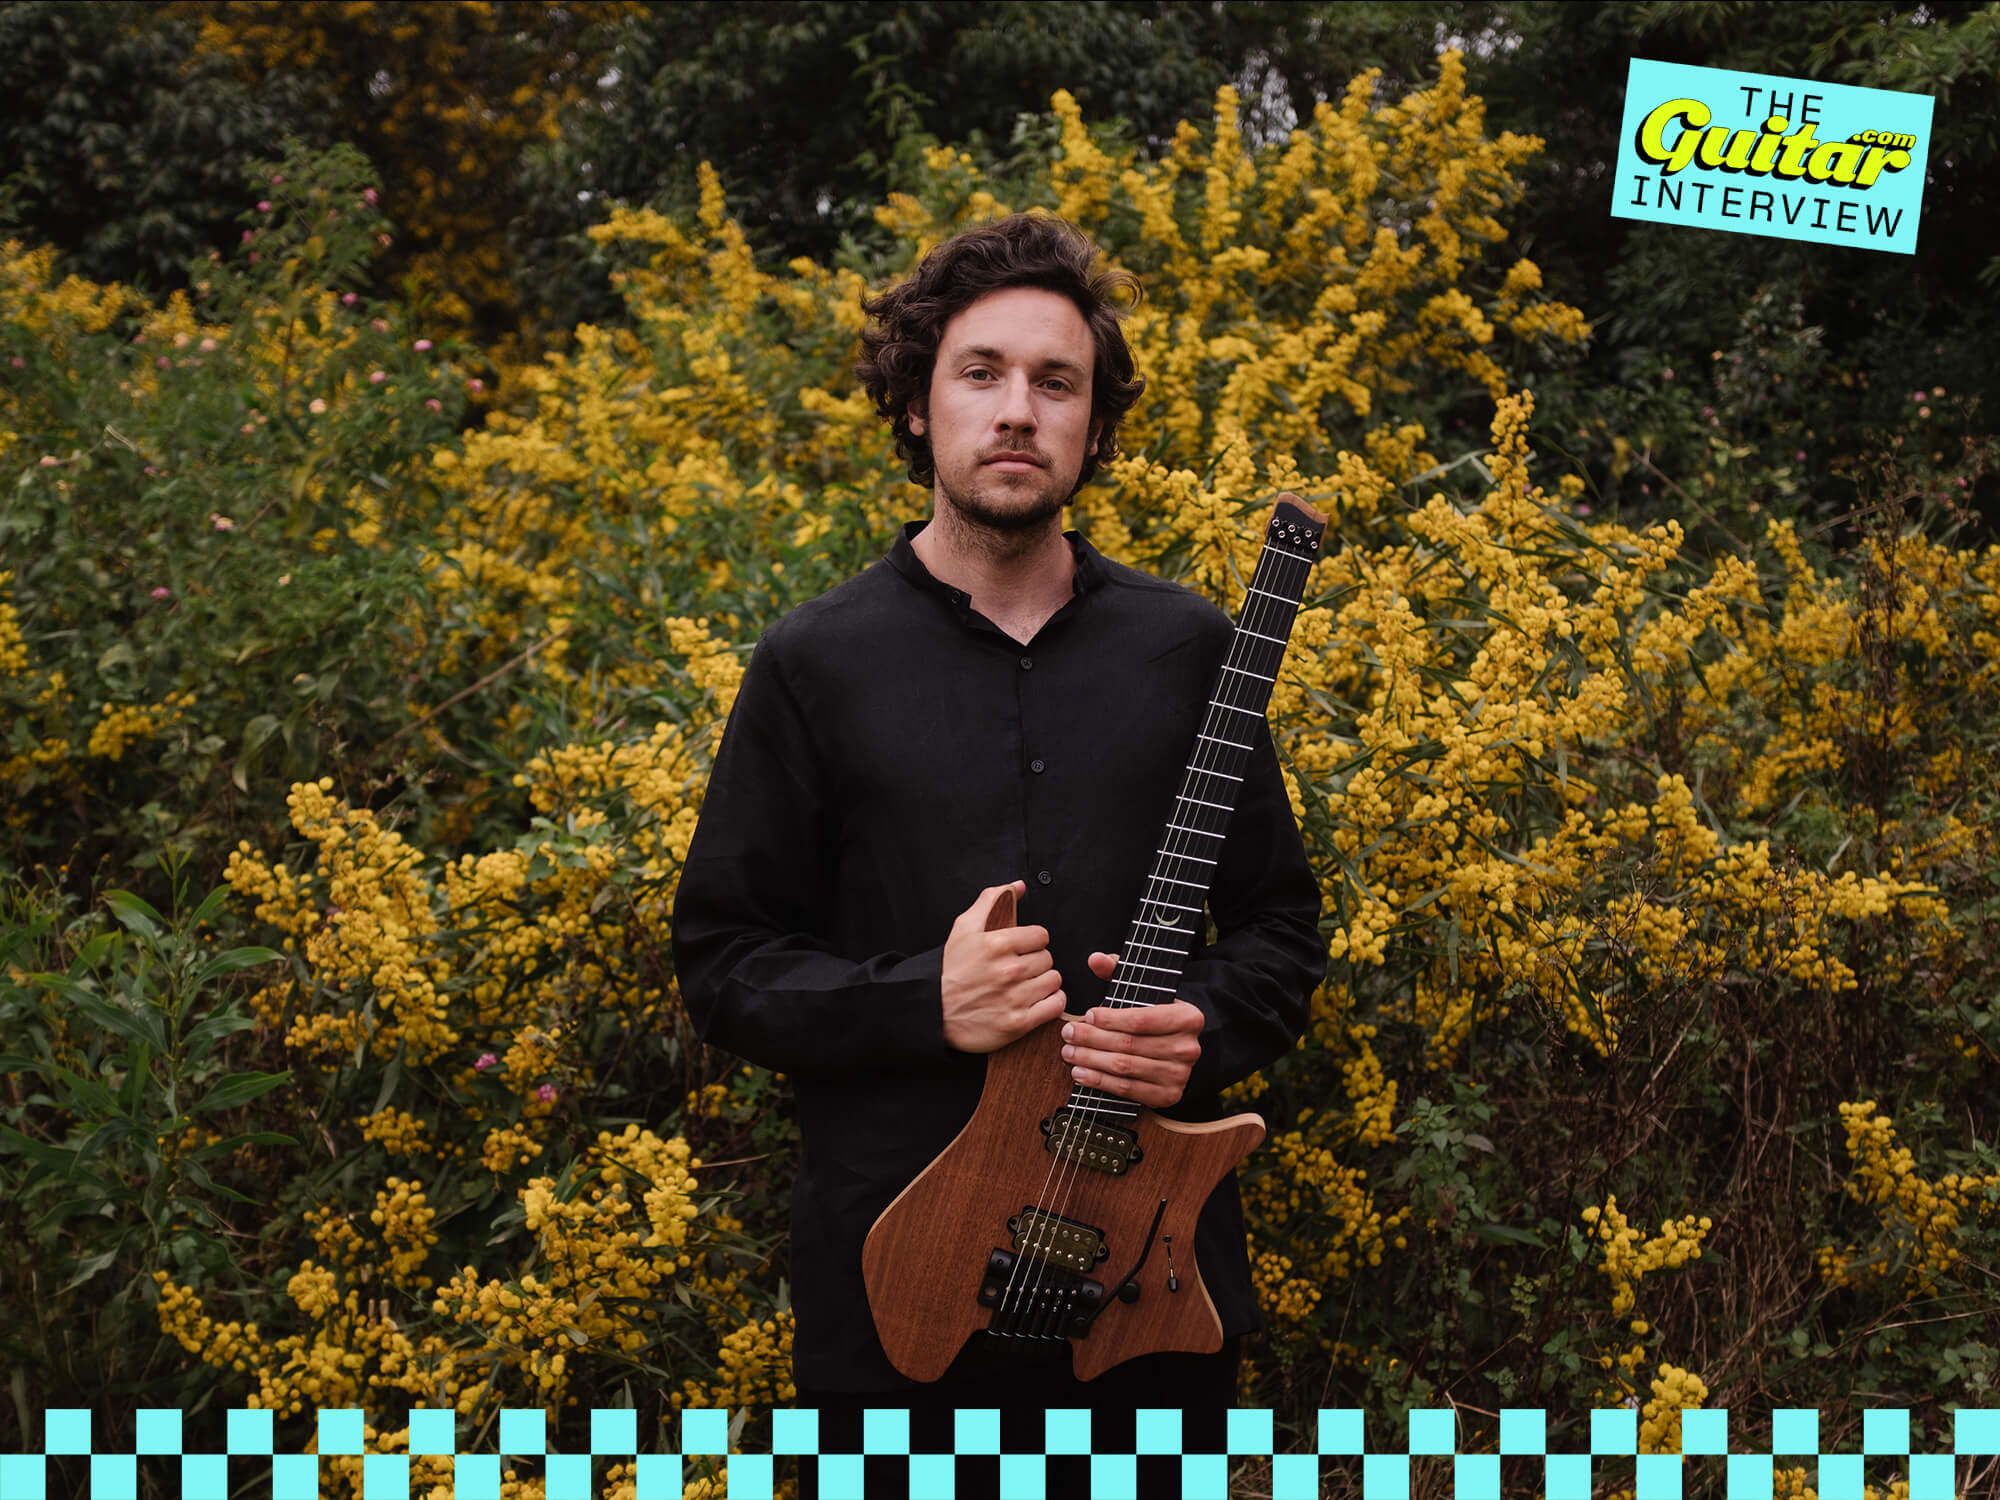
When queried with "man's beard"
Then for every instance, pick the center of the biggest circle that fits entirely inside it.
(974, 512)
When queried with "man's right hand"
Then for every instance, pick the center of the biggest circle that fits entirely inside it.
(997, 985)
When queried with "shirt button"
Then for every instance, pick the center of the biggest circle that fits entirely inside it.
(1045, 877)
(1035, 766)
(1027, 663)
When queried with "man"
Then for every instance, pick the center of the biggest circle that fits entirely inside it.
(992, 706)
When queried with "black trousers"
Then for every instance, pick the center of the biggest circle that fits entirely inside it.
(1203, 1386)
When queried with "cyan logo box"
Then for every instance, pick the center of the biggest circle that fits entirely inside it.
(1751, 153)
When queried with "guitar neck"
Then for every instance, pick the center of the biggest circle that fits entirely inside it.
(1169, 915)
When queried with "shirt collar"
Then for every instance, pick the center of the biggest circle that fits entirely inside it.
(903, 558)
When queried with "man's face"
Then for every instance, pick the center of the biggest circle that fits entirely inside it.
(1008, 415)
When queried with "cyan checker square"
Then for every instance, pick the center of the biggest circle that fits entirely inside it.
(705, 1431)
(1886, 1430)
(886, 1430)
(1204, 1476)
(113, 1476)
(1295, 1476)
(931, 1474)
(1658, 1477)
(476, 1476)
(1932, 1478)
(67, 1430)
(1524, 1429)
(1566, 1476)
(1840, 1477)
(749, 1478)
(340, 1431)
(24, 1476)
(1066, 1429)
(1750, 1476)
(1250, 1429)
(1614, 1430)
(658, 1477)
(976, 1429)
(1476, 1476)
(1975, 1431)
(1433, 1430)
(433, 1430)
(568, 1477)
(204, 1476)
(1113, 1476)
(793, 1431)
(159, 1430)
(524, 1430)
(1157, 1429)
(1340, 1430)
(1022, 1476)
(385, 1476)
(1795, 1429)
(249, 1432)
(295, 1476)
(614, 1431)
(1705, 1431)
(1385, 1476)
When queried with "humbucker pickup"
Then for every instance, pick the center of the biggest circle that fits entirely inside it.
(1075, 1137)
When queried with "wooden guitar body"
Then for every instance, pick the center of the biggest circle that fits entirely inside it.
(930, 1252)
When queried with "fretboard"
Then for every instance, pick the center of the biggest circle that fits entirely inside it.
(1189, 846)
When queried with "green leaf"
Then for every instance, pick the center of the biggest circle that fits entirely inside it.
(135, 913)
(232, 960)
(240, 1088)
(92, 1266)
(203, 1036)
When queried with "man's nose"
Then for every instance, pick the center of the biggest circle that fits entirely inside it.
(1017, 411)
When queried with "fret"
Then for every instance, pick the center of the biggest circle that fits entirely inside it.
(1170, 907)
(1132, 963)
(1181, 828)
(1160, 927)
(1205, 771)
(1163, 989)
(1288, 603)
(1273, 639)
(1252, 712)
(1223, 806)
(1157, 947)
(1230, 743)
(1190, 884)
(1176, 854)
(1241, 673)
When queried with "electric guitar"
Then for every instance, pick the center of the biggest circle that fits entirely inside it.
(1063, 1213)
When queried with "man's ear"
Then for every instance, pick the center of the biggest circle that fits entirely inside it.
(916, 412)
(1095, 428)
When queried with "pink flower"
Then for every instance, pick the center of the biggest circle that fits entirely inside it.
(486, 1060)
(376, 377)
(380, 325)
(163, 592)
(49, 462)
(475, 386)
(1582, 509)
(434, 404)
(254, 257)
(384, 241)
(164, 363)
(1917, 395)
(1666, 374)
(331, 216)
(348, 299)
(276, 178)
(1799, 457)
(264, 206)
(369, 196)
(208, 346)
(422, 346)
(249, 235)
(151, 470)
(316, 406)
(221, 523)
(546, 1093)
(18, 363)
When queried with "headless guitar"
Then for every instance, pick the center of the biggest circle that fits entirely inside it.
(1067, 1214)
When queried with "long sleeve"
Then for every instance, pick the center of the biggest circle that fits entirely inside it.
(754, 892)
(1254, 983)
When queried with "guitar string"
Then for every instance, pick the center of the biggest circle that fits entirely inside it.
(1088, 1103)
(1039, 1309)
(1100, 1103)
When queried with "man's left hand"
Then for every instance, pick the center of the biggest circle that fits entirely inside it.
(1143, 1052)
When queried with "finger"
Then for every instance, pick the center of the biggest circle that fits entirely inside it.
(1148, 1020)
(1020, 939)
(1179, 1048)
(1158, 1095)
(1103, 964)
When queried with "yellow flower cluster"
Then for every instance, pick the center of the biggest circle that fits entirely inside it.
(124, 723)
(1629, 1255)
(1674, 1391)
(1921, 1219)
(13, 649)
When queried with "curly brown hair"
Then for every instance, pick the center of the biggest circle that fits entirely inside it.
(899, 347)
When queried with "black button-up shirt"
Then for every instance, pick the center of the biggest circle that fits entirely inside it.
(892, 753)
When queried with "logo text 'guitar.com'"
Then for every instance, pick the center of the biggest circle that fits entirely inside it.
(1753, 154)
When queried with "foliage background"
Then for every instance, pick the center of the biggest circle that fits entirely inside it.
(389, 517)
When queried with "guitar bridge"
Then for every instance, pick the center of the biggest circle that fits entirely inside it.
(1074, 1137)
(1040, 1302)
